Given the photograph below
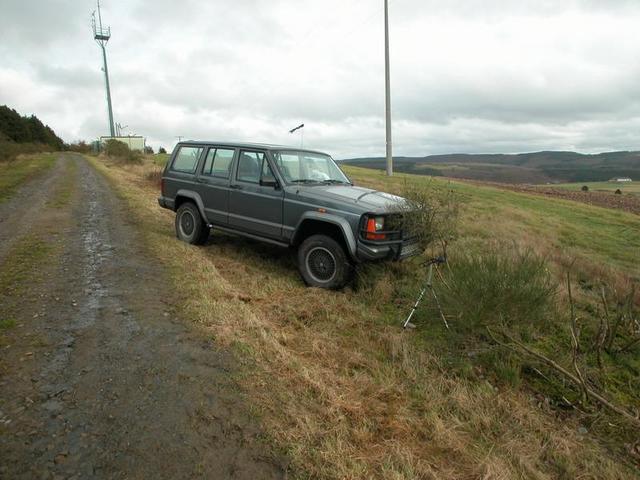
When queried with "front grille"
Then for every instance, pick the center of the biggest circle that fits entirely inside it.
(409, 248)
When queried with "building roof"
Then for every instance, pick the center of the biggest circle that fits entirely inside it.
(122, 136)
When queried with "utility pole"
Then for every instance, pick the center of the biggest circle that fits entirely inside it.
(387, 87)
(102, 36)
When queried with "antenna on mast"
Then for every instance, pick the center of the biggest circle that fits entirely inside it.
(102, 35)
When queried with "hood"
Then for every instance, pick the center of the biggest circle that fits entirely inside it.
(366, 199)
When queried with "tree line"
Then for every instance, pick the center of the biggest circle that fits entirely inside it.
(26, 129)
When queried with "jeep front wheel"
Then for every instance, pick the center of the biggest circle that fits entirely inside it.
(323, 263)
(190, 227)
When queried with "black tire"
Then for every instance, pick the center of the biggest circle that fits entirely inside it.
(323, 263)
(190, 227)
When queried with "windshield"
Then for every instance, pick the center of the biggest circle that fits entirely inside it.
(306, 167)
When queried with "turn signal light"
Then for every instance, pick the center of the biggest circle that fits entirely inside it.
(371, 230)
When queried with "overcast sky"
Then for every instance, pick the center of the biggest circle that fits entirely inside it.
(466, 75)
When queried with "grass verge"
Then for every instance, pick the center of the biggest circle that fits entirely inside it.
(15, 172)
(338, 385)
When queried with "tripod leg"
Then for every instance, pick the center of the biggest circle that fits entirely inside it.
(415, 307)
(444, 319)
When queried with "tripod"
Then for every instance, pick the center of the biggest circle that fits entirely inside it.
(428, 286)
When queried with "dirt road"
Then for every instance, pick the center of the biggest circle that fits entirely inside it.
(99, 378)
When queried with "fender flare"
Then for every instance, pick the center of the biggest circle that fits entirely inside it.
(340, 222)
(190, 194)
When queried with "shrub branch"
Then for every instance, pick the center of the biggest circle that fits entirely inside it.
(518, 347)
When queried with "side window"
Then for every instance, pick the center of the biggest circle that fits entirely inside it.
(218, 162)
(186, 159)
(250, 166)
(208, 162)
(222, 162)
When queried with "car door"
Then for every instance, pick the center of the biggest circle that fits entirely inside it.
(254, 206)
(213, 183)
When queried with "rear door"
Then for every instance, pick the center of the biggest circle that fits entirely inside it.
(213, 183)
(255, 208)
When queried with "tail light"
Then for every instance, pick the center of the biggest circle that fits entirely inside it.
(374, 225)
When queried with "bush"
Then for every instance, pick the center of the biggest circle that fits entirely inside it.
(514, 288)
(80, 146)
(154, 175)
(9, 150)
(162, 150)
(618, 192)
(585, 188)
(121, 151)
(431, 213)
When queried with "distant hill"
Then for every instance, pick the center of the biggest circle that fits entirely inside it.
(537, 167)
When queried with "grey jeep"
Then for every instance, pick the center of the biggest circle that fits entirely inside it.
(285, 196)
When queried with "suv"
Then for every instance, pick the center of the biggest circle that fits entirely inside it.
(285, 196)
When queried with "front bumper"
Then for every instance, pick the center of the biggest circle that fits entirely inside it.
(398, 250)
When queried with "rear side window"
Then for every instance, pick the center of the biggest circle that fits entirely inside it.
(186, 159)
(250, 166)
(218, 162)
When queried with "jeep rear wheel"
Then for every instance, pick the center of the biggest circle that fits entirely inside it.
(190, 227)
(323, 263)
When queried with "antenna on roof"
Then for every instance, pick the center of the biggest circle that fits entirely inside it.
(299, 127)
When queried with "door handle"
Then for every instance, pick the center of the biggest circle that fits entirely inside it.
(201, 180)
(236, 187)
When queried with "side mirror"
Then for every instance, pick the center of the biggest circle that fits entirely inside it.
(268, 181)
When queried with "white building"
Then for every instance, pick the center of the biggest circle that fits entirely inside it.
(620, 180)
(135, 142)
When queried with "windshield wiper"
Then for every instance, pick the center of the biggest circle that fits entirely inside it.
(334, 181)
(305, 180)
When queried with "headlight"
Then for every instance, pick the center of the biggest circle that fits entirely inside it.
(374, 225)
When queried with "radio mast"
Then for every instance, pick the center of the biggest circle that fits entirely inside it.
(102, 35)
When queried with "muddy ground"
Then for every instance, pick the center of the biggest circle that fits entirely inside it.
(99, 375)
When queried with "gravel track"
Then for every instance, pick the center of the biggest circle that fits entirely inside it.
(100, 379)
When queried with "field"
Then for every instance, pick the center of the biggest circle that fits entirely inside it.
(479, 171)
(595, 235)
(530, 168)
(344, 393)
(626, 188)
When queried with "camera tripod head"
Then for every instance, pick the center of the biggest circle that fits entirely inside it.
(440, 259)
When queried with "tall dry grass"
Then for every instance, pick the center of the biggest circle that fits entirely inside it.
(337, 387)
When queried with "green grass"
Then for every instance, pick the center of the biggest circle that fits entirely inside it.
(22, 263)
(7, 323)
(14, 173)
(160, 159)
(601, 236)
(625, 187)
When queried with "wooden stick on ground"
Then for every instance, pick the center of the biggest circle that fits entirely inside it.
(566, 373)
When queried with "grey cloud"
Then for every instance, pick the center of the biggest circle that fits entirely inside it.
(252, 69)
